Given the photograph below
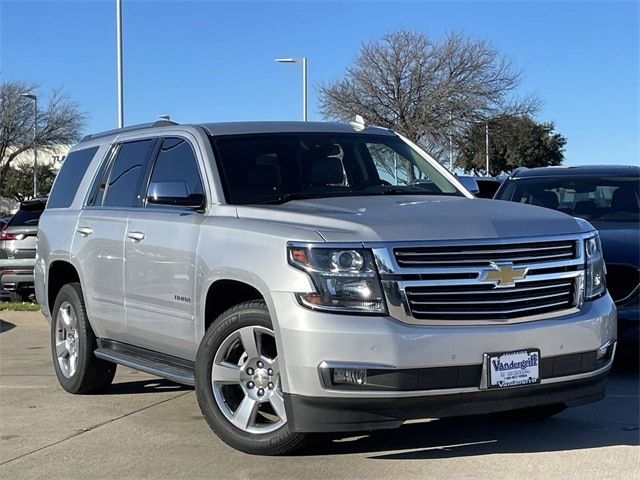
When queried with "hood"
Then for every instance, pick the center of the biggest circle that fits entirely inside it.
(414, 218)
(620, 242)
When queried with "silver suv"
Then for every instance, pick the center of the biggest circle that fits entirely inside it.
(314, 277)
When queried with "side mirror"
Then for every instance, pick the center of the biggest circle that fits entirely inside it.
(173, 193)
(469, 183)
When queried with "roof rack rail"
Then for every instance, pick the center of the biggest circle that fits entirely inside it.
(517, 170)
(131, 128)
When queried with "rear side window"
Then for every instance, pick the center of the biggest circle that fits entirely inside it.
(127, 173)
(27, 216)
(69, 177)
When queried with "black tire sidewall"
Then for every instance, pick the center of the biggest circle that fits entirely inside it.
(244, 315)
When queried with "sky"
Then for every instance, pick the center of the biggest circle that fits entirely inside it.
(214, 61)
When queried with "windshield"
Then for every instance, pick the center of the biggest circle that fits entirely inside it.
(594, 198)
(276, 168)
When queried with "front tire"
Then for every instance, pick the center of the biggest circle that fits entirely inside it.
(238, 383)
(73, 343)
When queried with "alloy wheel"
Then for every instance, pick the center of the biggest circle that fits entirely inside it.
(67, 339)
(245, 376)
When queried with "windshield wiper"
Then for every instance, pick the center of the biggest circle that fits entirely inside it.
(394, 190)
(288, 197)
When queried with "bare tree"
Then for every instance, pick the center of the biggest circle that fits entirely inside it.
(426, 90)
(60, 123)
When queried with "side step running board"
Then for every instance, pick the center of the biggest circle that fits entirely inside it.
(166, 366)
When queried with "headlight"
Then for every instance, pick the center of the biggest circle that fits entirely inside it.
(345, 279)
(595, 284)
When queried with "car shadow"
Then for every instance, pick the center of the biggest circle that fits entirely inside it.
(612, 421)
(153, 385)
(6, 326)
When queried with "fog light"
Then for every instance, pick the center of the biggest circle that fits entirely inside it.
(602, 351)
(350, 376)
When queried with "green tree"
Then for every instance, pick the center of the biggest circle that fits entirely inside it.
(59, 122)
(18, 181)
(514, 141)
(426, 89)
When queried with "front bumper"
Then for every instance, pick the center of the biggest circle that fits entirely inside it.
(310, 339)
(319, 414)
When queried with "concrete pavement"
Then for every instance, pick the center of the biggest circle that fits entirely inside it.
(149, 428)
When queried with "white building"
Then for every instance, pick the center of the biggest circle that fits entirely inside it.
(55, 157)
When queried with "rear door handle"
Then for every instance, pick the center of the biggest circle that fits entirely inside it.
(85, 231)
(135, 236)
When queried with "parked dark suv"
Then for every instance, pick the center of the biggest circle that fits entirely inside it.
(18, 250)
(608, 197)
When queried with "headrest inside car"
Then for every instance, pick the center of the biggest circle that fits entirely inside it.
(326, 171)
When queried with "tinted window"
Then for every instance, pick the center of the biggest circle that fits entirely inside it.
(123, 187)
(596, 198)
(273, 168)
(69, 177)
(176, 162)
(28, 215)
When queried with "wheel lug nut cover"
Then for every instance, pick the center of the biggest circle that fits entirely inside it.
(249, 371)
(250, 385)
(261, 392)
(270, 386)
(260, 364)
(270, 372)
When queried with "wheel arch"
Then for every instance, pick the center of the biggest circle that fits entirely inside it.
(226, 292)
(60, 273)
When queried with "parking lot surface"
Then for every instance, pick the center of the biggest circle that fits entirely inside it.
(144, 427)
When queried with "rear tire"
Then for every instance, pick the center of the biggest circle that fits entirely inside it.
(238, 383)
(533, 414)
(73, 343)
(15, 297)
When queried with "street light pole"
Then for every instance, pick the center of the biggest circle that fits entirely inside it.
(34, 98)
(450, 145)
(303, 62)
(486, 145)
(304, 89)
(119, 62)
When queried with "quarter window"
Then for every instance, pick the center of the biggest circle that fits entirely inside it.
(69, 177)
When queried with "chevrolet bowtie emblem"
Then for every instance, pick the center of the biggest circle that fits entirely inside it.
(503, 274)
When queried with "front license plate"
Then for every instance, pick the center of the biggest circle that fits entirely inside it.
(513, 368)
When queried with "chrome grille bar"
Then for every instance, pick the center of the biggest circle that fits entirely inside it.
(534, 252)
(446, 283)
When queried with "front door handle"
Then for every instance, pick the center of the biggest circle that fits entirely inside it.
(85, 231)
(135, 236)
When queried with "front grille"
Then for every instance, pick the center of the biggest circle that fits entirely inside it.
(485, 302)
(482, 255)
(622, 280)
